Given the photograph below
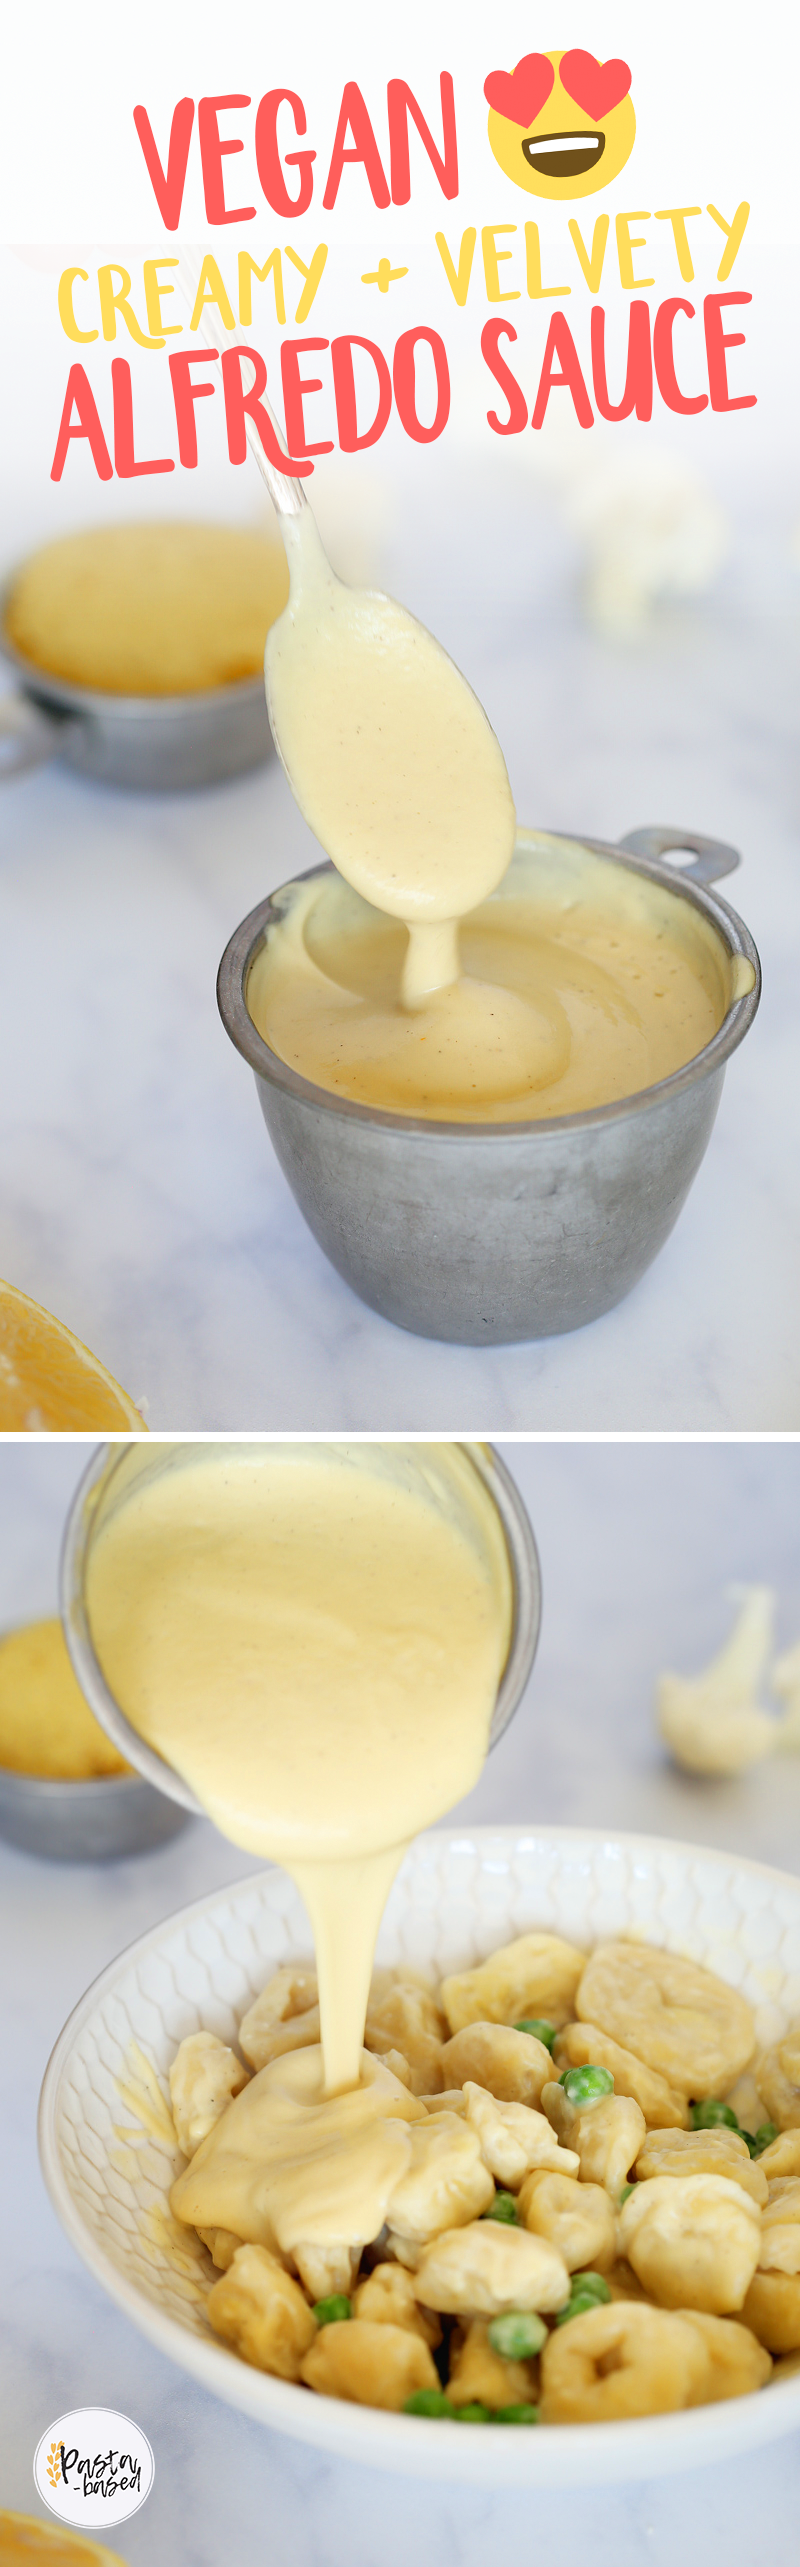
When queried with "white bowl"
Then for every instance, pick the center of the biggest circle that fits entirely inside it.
(456, 1898)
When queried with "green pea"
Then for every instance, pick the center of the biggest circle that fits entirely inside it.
(473, 2413)
(626, 2189)
(587, 2085)
(712, 2115)
(587, 2291)
(328, 2312)
(504, 2208)
(762, 2138)
(594, 2282)
(516, 2415)
(428, 2402)
(545, 2032)
(518, 2335)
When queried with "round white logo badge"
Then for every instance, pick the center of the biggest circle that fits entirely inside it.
(93, 2466)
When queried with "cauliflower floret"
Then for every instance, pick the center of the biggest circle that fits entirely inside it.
(714, 1722)
(583, 2044)
(373, 2366)
(577, 2218)
(608, 2135)
(772, 2309)
(513, 2066)
(702, 2152)
(478, 2373)
(203, 2078)
(513, 2138)
(682, 2020)
(737, 2362)
(694, 2241)
(327, 2270)
(778, 2079)
(388, 2298)
(537, 1975)
(408, 2019)
(262, 2313)
(622, 2360)
(780, 2227)
(445, 2183)
(222, 2246)
(488, 2268)
(291, 1991)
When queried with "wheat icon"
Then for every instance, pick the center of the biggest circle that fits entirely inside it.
(54, 2464)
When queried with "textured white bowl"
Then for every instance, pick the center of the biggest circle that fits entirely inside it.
(456, 1898)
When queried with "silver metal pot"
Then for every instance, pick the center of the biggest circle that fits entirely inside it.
(149, 743)
(116, 1467)
(484, 1234)
(94, 1822)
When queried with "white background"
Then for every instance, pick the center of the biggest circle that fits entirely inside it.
(638, 1546)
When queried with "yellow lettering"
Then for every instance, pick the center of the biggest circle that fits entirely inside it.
(247, 270)
(625, 249)
(312, 276)
(533, 261)
(734, 236)
(111, 304)
(491, 263)
(153, 291)
(592, 264)
(678, 216)
(210, 289)
(66, 312)
(458, 278)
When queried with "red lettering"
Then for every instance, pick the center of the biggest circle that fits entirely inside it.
(716, 344)
(241, 406)
(295, 387)
(560, 343)
(344, 388)
(512, 391)
(638, 393)
(185, 393)
(212, 154)
(404, 374)
(168, 191)
(664, 358)
(402, 104)
(268, 160)
(353, 113)
(127, 467)
(80, 395)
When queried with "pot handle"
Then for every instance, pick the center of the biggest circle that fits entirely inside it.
(29, 736)
(712, 858)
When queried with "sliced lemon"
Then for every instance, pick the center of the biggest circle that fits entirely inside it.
(49, 1382)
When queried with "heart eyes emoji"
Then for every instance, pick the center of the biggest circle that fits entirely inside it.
(585, 136)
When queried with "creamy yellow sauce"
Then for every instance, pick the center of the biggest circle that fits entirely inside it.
(582, 982)
(313, 1636)
(389, 755)
(288, 2165)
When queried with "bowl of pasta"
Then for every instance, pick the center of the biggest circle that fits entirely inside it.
(589, 2264)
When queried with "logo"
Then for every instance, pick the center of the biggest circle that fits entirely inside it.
(561, 124)
(93, 2466)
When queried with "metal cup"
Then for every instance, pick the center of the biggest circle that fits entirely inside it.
(487, 1233)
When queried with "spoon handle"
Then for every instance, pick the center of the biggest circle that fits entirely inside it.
(287, 494)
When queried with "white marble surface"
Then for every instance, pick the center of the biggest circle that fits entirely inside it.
(638, 1545)
(141, 1199)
